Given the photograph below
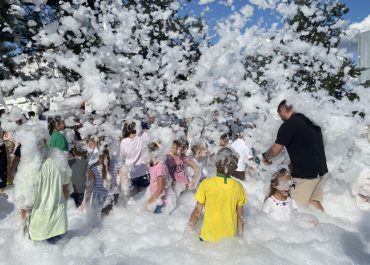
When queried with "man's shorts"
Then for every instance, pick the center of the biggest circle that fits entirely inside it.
(306, 190)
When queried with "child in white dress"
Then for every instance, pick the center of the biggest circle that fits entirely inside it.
(278, 204)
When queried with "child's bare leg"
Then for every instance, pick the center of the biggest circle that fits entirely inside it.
(124, 181)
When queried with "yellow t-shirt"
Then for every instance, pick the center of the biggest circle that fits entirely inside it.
(220, 201)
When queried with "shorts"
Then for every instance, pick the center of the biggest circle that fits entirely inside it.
(141, 182)
(306, 190)
(78, 198)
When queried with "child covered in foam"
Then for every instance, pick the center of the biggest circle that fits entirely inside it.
(280, 206)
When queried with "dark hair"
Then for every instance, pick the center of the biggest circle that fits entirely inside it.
(283, 104)
(76, 151)
(152, 147)
(93, 139)
(226, 158)
(181, 142)
(128, 128)
(102, 156)
(31, 114)
(224, 136)
(52, 122)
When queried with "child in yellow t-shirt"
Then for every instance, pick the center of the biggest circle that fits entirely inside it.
(222, 198)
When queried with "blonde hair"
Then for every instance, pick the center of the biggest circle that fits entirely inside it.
(275, 181)
(197, 147)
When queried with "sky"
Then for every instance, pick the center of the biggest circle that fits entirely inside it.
(357, 18)
(359, 10)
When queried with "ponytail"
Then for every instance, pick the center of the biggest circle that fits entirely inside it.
(128, 128)
(52, 122)
(102, 158)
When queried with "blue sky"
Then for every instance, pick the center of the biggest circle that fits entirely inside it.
(359, 10)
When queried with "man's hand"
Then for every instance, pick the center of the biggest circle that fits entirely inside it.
(265, 161)
(273, 151)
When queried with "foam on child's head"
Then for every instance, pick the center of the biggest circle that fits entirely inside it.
(282, 184)
(197, 146)
(227, 160)
(280, 173)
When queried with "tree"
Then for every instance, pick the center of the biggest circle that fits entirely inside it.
(319, 24)
(117, 53)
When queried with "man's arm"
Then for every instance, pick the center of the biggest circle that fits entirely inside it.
(273, 151)
(240, 217)
(195, 215)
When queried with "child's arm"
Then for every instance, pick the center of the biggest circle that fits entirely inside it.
(240, 217)
(195, 167)
(66, 191)
(160, 189)
(88, 190)
(195, 215)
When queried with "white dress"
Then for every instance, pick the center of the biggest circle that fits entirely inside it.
(280, 210)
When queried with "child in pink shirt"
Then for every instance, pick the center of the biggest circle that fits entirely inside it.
(159, 180)
(176, 161)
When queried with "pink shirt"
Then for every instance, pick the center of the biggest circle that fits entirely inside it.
(176, 168)
(156, 171)
(131, 152)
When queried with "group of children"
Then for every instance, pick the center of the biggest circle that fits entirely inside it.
(105, 172)
(141, 164)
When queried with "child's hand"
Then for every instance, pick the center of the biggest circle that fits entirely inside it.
(191, 185)
(24, 214)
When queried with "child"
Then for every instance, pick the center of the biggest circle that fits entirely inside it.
(57, 139)
(114, 164)
(176, 161)
(224, 140)
(223, 199)
(78, 164)
(199, 151)
(42, 185)
(98, 178)
(278, 204)
(159, 180)
(135, 166)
